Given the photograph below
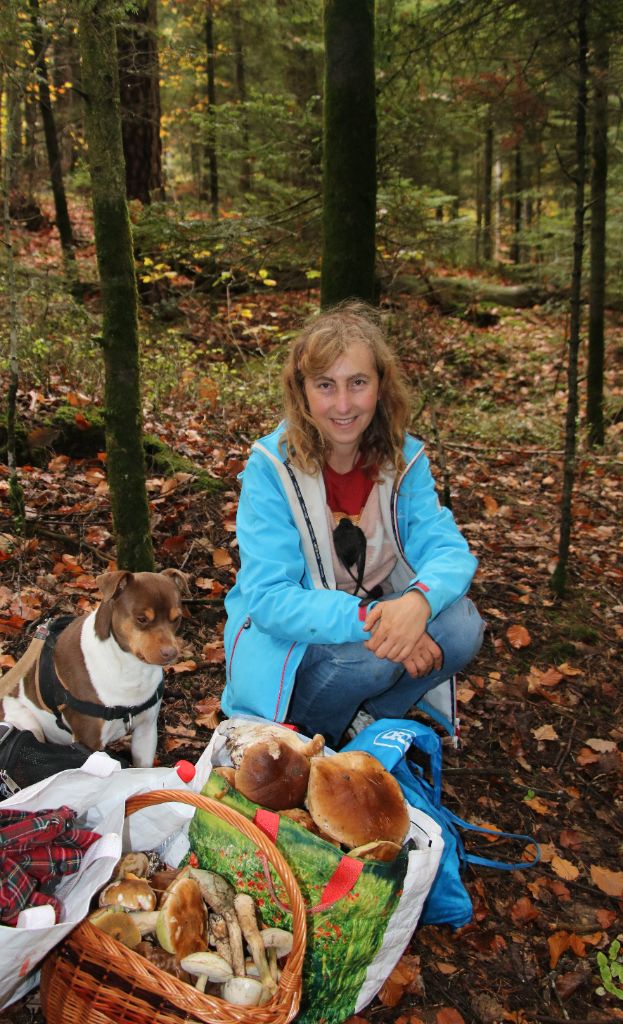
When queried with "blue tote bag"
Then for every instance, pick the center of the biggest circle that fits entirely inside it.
(391, 741)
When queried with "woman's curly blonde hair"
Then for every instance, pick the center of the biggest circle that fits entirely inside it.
(323, 338)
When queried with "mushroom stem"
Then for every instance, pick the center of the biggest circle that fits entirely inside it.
(219, 894)
(273, 966)
(245, 910)
(218, 928)
(145, 920)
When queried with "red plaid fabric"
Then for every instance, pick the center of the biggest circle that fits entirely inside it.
(36, 850)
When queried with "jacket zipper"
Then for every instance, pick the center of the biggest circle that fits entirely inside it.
(283, 672)
(245, 625)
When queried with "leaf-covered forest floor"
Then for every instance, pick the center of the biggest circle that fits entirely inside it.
(542, 736)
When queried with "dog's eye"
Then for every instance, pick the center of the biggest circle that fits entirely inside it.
(141, 620)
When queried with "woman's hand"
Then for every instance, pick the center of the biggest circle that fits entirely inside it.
(425, 656)
(397, 627)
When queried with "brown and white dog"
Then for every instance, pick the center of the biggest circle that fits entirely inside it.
(102, 677)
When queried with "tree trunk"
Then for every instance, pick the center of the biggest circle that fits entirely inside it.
(597, 287)
(63, 222)
(16, 494)
(559, 576)
(210, 170)
(113, 242)
(139, 84)
(487, 247)
(349, 157)
(241, 94)
(517, 207)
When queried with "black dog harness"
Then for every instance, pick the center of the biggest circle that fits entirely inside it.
(56, 697)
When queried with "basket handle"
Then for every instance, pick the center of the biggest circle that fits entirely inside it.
(268, 851)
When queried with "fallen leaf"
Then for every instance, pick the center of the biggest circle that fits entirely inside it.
(213, 652)
(538, 805)
(518, 637)
(610, 882)
(448, 1015)
(558, 944)
(586, 756)
(491, 505)
(538, 677)
(545, 732)
(569, 670)
(572, 839)
(565, 869)
(602, 746)
(184, 666)
(548, 851)
(221, 558)
(605, 917)
(464, 694)
(524, 911)
(567, 984)
(445, 968)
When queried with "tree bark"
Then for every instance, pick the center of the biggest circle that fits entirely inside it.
(139, 84)
(16, 494)
(487, 192)
(517, 201)
(241, 94)
(63, 222)
(349, 157)
(113, 241)
(210, 170)
(597, 286)
(559, 576)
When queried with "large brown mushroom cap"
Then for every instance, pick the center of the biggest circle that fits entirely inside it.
(273, 773)
(355, 800)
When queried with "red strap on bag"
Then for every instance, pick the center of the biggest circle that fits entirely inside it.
(341, 882)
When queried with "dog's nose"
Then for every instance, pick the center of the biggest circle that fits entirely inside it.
(168, 653)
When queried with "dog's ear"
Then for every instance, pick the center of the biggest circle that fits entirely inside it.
(179, 578)
(111, 584)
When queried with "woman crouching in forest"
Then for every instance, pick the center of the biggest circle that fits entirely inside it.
(351, 592)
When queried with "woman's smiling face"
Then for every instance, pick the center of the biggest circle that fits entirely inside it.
(342, 402)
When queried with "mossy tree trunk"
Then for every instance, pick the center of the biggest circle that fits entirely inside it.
(349, 158)
(559, 576)
(487, 191)
(599, 179)
(113, 241)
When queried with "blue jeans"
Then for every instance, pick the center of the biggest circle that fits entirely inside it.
(334, 681)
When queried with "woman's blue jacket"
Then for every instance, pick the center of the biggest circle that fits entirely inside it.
(284, 597)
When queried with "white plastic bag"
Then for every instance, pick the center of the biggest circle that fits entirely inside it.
(97, 792)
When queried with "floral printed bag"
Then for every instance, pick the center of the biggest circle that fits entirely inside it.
(361, 914)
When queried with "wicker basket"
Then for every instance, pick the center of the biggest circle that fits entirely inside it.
(90, 978)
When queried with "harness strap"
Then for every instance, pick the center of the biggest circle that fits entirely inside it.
(56, 697)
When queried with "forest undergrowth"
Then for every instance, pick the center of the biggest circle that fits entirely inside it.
(542, 736)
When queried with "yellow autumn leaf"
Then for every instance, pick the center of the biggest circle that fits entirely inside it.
(564, 869)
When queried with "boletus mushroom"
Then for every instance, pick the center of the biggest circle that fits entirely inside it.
(271, 764)
(182, 926)
(128, 894)
(118, 925)
(355, 800)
